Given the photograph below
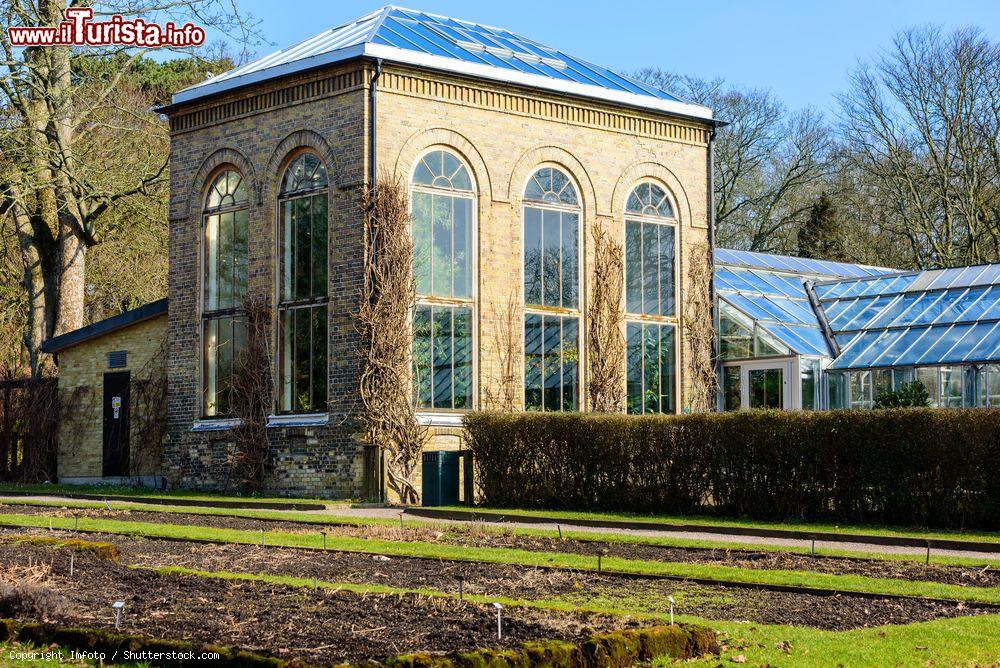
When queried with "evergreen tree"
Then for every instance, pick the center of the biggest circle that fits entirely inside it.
(821, 237)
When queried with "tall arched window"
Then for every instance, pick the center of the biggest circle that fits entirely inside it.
(303, 290)
(224, 283)
(443, 205)
(650, 300)
(551, 292)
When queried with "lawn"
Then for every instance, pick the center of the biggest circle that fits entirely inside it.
(188, 495)
(711, 521)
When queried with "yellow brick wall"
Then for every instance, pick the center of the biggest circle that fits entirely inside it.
(81, 390)
(504, 136)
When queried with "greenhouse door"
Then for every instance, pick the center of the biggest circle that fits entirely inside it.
(766, 385)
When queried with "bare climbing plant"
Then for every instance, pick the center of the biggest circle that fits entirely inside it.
(502, 392)
(149, 413)
(251, 396)
(388, 295)
(699, 330)
(606, 341)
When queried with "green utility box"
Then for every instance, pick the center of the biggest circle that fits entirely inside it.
(440, 478)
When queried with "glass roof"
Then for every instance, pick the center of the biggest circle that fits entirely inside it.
(796, 265)
(418, 38)
(878, 317)
(941, 316)
(775, 299)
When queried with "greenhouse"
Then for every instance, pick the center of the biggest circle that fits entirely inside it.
(796, 333)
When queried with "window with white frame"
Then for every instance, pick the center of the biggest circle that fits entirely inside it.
(443, 201)
(552, 215)
(650, 300)
(303, 290)
(224, 282)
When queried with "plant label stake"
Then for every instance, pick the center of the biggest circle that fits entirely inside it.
(107, 505)
(461, 588)
(72, 555)
(76, 521)
(499, 623)
(401, 521)
(927, 560)
(324, 539)
(812, 547)
(559, 528)
(671, 599)
(315, 584)
(118, 605)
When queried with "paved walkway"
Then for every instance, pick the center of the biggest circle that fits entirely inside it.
(393, 513)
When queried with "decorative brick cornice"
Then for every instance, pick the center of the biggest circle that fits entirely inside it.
(271, 97)
(485, 97)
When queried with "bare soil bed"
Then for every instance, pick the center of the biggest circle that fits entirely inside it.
(322, 626)
(498, 580)
(478, 537)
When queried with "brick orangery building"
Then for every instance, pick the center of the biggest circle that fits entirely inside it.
(513, 153)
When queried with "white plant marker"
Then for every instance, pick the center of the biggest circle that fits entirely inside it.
(499, 623)
(118, 605)
(71, 558)
(671, 599)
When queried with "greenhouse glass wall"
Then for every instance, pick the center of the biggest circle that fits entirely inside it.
(796, 333)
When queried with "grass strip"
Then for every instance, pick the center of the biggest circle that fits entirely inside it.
(852, 583)
(114, 490)
(323, 519)
(711, 521)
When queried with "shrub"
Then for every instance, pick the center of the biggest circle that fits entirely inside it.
(919, 467)
(909, 395)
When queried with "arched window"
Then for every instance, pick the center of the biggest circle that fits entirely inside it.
(303, 289)
(224, 283)
(551, 292)
(650, 300)
(442, 213)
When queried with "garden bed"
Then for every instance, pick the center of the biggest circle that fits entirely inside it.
(473, 536)
(582, 588)
(322, 626)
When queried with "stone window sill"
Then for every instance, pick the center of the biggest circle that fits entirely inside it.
(220, 424)
(298, 420)
(440, 419)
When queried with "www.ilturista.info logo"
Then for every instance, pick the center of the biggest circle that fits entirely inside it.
(78, 29)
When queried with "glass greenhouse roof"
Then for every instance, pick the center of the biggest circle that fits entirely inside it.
(413, 37)
(939, 316)
(770, 289)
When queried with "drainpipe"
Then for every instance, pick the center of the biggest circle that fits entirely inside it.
(373, 108)
(379, 459)
(711, 257)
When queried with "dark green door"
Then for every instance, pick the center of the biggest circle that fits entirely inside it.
(116, 423)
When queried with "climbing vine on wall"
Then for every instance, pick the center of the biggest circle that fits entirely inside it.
(607, 344)
(699, 330)
(251, 396)
(388, 416)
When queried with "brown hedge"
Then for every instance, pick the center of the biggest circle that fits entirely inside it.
(915, 467)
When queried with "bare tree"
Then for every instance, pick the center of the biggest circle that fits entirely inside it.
(59, 174)
(770, 163)
(922, 124)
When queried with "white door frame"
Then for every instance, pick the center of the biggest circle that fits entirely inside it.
(790, 398)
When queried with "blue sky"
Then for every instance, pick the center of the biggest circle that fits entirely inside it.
(802, 50)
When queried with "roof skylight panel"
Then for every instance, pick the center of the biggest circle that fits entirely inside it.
(848, 313)
(877, 347)
(894, 309)
(865, 315)
(856, 348)
(988, 348)
(919, 345)
(923, 302)
(902, 343)
(946, 340)
(958, 308)
(938, 308)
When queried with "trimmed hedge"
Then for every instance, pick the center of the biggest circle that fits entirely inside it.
(617, 649)
(915, 467)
